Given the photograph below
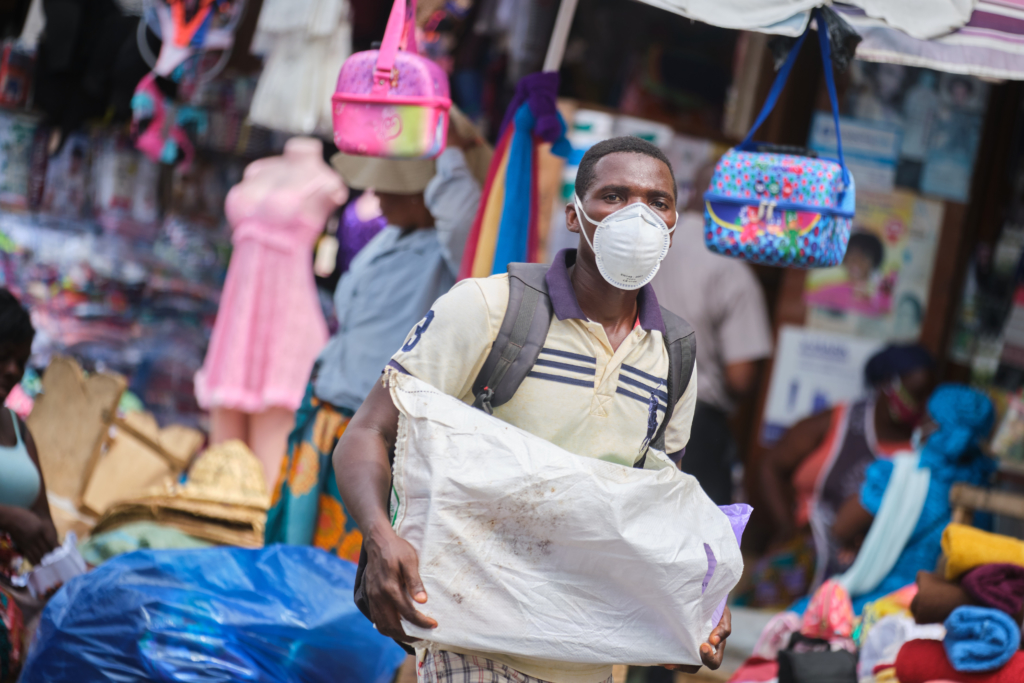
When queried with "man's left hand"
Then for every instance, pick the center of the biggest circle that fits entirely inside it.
(711, 652)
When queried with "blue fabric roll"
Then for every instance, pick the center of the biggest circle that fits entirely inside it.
(980, 639)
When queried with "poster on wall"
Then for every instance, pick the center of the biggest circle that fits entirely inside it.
(813, 370)
(953, 138)
(871, 149)
(939, 117)
(881, 288)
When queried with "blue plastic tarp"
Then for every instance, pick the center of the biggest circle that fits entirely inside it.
(283, 613)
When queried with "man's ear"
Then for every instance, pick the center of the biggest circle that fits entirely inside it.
(572, 219)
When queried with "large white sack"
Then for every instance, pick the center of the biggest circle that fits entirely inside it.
(530, 550)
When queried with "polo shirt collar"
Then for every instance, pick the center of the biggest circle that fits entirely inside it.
(566, 306)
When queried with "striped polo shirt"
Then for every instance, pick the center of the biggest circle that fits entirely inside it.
(581, 395)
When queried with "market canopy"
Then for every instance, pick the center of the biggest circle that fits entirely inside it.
(982, 38)
(918, 18)
(990, 44)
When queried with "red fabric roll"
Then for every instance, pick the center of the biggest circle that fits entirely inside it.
(923, 661)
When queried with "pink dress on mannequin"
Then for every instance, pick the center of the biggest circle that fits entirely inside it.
(270, 327)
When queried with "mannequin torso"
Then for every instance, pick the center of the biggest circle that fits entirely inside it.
(298, 183)
(270, 326)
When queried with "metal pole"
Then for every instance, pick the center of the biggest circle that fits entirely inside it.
(560, 34)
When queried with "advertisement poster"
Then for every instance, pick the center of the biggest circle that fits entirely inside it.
(881, 289)
(813, 371)
(871, 149)
(954, 137)
(939, 117)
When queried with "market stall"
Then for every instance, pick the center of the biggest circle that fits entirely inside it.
(114, 231)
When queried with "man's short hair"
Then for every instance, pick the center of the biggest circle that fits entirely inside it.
(585, 176)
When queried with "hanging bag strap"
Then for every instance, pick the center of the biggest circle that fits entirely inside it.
(399, 35)
(780, 82)
(185, 29)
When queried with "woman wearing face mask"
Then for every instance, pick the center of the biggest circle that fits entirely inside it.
(907, 499)
(820, 462)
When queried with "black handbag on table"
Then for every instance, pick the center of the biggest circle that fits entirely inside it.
(818, 665)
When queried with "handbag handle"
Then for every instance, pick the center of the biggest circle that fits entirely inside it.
(780, 83)
(400, 34)
(797, 638)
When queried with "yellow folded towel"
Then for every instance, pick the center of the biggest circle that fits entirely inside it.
(966, 548)
(886, 676)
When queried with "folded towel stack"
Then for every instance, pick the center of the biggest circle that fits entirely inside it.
(966, 548)
(980, 600)
(937, 598)
(980, 639)
(1000, 586)
(925, 661)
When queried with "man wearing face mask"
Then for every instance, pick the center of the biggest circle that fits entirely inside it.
(597, 389)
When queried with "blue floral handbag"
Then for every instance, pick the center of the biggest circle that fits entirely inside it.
(777, 208)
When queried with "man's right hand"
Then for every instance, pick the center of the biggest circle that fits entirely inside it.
(392, 581)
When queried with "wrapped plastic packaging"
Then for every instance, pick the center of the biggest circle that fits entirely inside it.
(282, 613)
(530, 550)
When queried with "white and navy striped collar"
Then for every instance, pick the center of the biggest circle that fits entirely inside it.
(566, 306)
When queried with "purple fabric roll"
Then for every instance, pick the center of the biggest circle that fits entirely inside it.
(541, 91)
(996, 585)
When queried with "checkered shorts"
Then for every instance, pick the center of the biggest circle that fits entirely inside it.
(441, 666)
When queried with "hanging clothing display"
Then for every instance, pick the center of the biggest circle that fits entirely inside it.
(157, 125)
(989, 45)
(187, 28)
(308, 37)
(79, 54)
(270, 328)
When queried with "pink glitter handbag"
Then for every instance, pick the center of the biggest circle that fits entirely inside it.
(392, 102)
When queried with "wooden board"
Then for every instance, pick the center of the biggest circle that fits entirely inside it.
(967, 499)
(67, 422)
(129, 467)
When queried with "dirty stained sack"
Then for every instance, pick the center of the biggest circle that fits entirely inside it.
(530, 550)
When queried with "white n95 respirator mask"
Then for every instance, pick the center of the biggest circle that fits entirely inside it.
(629, 244)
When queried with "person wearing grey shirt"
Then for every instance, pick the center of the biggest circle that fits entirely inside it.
(390, 285)
(724, 302)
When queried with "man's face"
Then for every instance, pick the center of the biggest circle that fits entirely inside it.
(621, 179)
(405, 210)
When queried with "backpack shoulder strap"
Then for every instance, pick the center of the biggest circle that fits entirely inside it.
(681, 345)
(520, 338)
